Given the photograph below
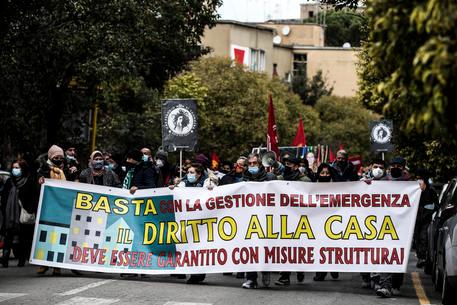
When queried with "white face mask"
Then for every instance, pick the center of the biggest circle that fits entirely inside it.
(310, 158)
(377, 173)
(159, 163)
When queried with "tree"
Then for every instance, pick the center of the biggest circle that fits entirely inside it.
(310, 91)
(56, 55)
(345, 121)
(342, 26)
(233, 106)
(408, 71)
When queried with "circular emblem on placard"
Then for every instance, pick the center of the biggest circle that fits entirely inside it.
(180, 121)
(381, 133)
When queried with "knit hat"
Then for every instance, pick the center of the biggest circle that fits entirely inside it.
(202, 159)
(55, 151)
(95, 153)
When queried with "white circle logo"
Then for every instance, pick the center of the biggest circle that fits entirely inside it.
(180, 120)
(381, 133)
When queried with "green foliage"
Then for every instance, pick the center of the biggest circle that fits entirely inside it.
(55, 55)
(342, 4)
(233, 108)
(345, 121)
(409, 72)
(342, 26)
(310, 90)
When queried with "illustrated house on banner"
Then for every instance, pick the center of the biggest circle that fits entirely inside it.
(114, 238)
(52, 242)
(87, 230)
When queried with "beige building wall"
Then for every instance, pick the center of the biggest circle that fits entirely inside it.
(282, 56)
(338, 66)
(222, 37)
(302, 34)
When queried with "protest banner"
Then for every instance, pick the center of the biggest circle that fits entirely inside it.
(249, 226)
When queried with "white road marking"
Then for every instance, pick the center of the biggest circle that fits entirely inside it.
(91, 301)
(83, 288)
(8, 296)
(185, 303)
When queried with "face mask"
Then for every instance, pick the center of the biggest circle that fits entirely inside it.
(324, 178)
(288, 170)
(253, 169)
(302, 169)
(159, 163)
(16, 172)
(98, 164)
(377, 173)
(111, 166)
(145, 158)
(396, 172)
(57, 163)
(191, 178)
(70, 158)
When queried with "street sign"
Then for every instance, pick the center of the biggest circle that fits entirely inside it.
(381, 135)
(179, 124)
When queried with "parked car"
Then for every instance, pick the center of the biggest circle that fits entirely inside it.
(432, 233)
(443, 230)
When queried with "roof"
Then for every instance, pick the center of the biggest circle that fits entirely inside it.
(246, 24)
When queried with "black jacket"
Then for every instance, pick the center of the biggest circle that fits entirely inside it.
(349, 173)
(262, 175)
(28, 194)
(144, 176)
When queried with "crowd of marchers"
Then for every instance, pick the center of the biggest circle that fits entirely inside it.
(143, 169)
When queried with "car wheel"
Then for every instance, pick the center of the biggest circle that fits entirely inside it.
(448, 295)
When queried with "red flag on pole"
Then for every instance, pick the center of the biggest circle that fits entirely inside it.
(214, 161)
(272, 135)
(331, 157)
(300, 137)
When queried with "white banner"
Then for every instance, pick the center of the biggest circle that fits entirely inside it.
(268, 226)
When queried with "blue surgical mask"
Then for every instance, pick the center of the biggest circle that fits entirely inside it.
(191, 178)
(98, 164)
(145, 158)
(16, 172)
(253, 169)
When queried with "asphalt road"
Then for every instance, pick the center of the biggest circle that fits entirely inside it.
(23, 286)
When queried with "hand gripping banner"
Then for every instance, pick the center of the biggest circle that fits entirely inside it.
(268, 226)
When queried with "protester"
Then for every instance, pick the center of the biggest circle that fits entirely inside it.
(291, 173)
(72, 165)
(140, 174)
(52, 169)
(19, 202)
(325, 173)
(97, 173)
(256, 172)
(195, 177)
(163, 169)
(428, 204)
(377, 171)
(345, 170)
(113, 162)
(390, 283)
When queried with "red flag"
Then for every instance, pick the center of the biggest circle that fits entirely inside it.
(272, 135)
(331, 157)
(214, 161)
(300, 137)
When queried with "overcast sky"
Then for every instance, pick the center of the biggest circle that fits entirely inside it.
(260, 10)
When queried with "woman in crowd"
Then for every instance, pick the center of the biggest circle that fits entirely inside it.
(19, 202)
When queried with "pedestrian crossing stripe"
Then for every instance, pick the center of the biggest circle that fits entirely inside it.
(9, 296)
(91, 301)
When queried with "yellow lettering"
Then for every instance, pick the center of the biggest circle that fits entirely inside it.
(387, 227)
(172, 230)
(102, 204)
(353, 227)
(150, 208)
(304, 227)
(209, 224)
(83, 201)
(254, 227)
(270, 233)
(232, 225)
(121, 206)
(194, 224)
(328, 226)
(150, 233)
(371, 228)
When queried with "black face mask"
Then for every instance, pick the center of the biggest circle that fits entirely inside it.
(396, 172)
(288, 170)
(342, 164)
(324, 178)
(57, 163)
